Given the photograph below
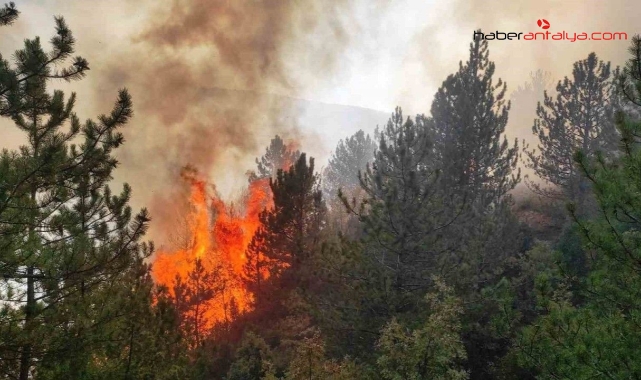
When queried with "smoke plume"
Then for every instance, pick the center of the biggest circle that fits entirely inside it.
(212, 82)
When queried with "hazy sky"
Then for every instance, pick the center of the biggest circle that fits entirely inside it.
(374, 54)
(396, 53)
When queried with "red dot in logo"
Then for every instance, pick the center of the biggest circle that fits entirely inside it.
(543, 23)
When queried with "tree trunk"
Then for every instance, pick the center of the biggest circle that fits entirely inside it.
(25, 357)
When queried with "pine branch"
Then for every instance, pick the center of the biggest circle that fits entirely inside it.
(8, 14)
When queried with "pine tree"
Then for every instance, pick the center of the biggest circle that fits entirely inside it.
(257, 266)
(32, 65)
(523, 102)
(403, 215)
(65, 240)
(278, 155)
(8, 14)
(599, 338)
(287, 240)
(194, 295)
(351, 157)
(479, 169)
(403, 212)
(469, 116)
(346, 164)
(579, 118)
(155, 345)
(524, 99)
(428, 213)
(354, 302)
(539, 82)
(289, 233)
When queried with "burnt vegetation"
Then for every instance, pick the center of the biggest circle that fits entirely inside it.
(415, 254)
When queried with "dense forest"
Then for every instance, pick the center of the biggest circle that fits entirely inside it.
(409, 256)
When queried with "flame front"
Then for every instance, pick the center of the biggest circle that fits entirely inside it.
(219, 234)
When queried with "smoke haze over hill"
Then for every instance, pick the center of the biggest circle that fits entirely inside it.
(213, 81)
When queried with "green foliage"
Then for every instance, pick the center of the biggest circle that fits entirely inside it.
(599, 339)
(76, 291)
(574, 258)
(289, 233)
(252, 359)
(433, 350)
(468, 122)
(403, 210)
(512, 304)
(353, 298)
(478, 169)
(436, 203)
(349, 159)
(309, 362)
(278, 155)
(581, 344)
(353, 304)
(8, 14)
(579, 118)
(33, 66)
(341, 181)
(281, 256)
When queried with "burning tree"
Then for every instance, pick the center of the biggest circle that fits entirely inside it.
(204, 276)
(207, 276)
(193, 298)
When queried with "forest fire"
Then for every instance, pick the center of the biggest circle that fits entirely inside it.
(208, 273)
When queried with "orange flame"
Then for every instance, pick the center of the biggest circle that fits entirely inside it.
(220, 235)
(219, 245)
